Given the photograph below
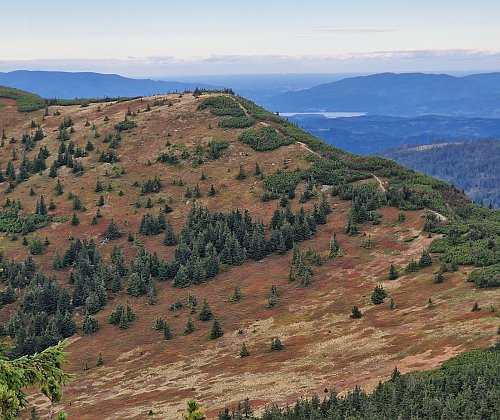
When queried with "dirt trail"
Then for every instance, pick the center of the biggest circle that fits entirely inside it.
(305, 146)
(379, 182)
(440, 217)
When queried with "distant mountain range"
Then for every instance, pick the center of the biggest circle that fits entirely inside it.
(371, 133)
(407, 94)
(471, 166)
(66, 85)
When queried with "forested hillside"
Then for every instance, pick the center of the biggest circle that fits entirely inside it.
(399, 94)
(467, 386)
(473, 167)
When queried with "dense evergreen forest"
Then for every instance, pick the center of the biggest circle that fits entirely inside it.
(465, 387)
(471, 166)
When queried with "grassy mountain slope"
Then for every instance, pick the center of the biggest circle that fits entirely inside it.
(25, 101)
(179, 137)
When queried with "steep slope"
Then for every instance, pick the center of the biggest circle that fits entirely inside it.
(406, 94)
(158, 156)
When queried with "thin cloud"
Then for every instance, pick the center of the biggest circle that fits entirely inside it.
(370, 61)
(353, 30)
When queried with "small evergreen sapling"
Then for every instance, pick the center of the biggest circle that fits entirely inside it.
(167, 334)
(439, 278)
(277, 344)
(393, 273)
(244, 351)
(378, 295)
(205, 312)
(189, 326)
(216, 331)
(356, 313)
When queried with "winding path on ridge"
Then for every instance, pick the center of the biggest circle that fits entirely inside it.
(379, 182)
(305, 146)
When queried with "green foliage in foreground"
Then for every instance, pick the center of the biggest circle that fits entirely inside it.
(42, 370)
(267, 138)
(465, 387)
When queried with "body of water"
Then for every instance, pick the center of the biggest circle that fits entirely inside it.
(325, 114)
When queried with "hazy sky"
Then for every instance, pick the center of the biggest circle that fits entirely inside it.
(172, 37)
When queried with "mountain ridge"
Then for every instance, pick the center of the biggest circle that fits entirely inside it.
(71, 85)
(399, 94)
(139, 207)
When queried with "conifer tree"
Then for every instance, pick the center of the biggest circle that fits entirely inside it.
(241, 173)
(194, 411)
(212, 265)
(216, 331)
(392, 305)
(393, 273)
(90, 325)
(135, 285)
(439, 278)
(170, 238)
(75, 221)
(98, 187)
(425, 259)
(59, 188)
(244, 351)
(352, 227)
(112, 231)
(276, 344)
(181, 279)
(152, 292)
(197, 192)
(273, 297)
(356, 313)
(167, 334)
(334, 246)
(189, 326)
(236, 296)
(412, 267)
(100, 360)
(205, 312)
(41, 208)
(378, 295)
